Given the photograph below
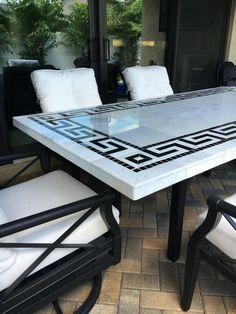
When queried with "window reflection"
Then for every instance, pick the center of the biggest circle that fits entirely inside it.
(50, 31)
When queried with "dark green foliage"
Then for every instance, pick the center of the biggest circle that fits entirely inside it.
(124, 20)
(5, 33)
(77, 30)
(37, 22)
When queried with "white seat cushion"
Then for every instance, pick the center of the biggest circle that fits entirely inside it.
(7, 255)
(223, 235)
(59, 90)
(147, 82)
(42, 193)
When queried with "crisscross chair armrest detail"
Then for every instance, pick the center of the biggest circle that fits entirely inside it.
(55, 233)
(22, 224)
(91, 204)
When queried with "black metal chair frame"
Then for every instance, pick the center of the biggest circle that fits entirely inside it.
(124, 81)
(199, 249)
(37, 152)
(220, 79)
(23, 151)
(29, 292)
(229, 76)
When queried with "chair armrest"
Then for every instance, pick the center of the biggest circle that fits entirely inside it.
(23, 151)
(13, 156)
(55, 213)
(216, 205)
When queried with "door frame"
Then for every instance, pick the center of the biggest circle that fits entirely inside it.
(98, 52)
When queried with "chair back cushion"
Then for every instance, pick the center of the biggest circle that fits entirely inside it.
(7, 255)
(59, 90)
(147, 82)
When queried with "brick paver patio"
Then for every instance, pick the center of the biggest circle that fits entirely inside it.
(145, 281)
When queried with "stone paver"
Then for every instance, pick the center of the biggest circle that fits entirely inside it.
(145, 281)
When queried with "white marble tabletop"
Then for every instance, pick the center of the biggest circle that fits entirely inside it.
(144, 146)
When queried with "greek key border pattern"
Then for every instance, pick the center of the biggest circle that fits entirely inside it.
(131, 156)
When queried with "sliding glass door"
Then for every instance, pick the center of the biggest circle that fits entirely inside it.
(125, 33)
(36, 33)
(197, 40)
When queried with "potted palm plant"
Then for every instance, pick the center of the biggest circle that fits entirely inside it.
(38, 22)
(76, 32)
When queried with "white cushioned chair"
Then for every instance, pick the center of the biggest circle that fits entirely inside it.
(213, 241)
(59, 90)
(147, 82)
(55, 233)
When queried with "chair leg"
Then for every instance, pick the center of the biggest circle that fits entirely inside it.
(88, 304)
(191, 271)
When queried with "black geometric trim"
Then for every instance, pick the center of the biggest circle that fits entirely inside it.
(133, 157)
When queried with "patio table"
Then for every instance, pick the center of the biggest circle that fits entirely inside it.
(141, 147)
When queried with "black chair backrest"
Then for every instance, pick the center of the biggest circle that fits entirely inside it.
(18, 92)
(82, 62)
(229, 76)
(126, 88)
(220, 72)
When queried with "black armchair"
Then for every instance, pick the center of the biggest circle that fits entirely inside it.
(55, 233)
(214, 241)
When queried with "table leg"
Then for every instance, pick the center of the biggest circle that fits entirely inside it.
(176, 219)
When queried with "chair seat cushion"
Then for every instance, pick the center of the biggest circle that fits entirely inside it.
(59, 90)
(147, 82)
(7, 256)
(223, 234)
(48, 191)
